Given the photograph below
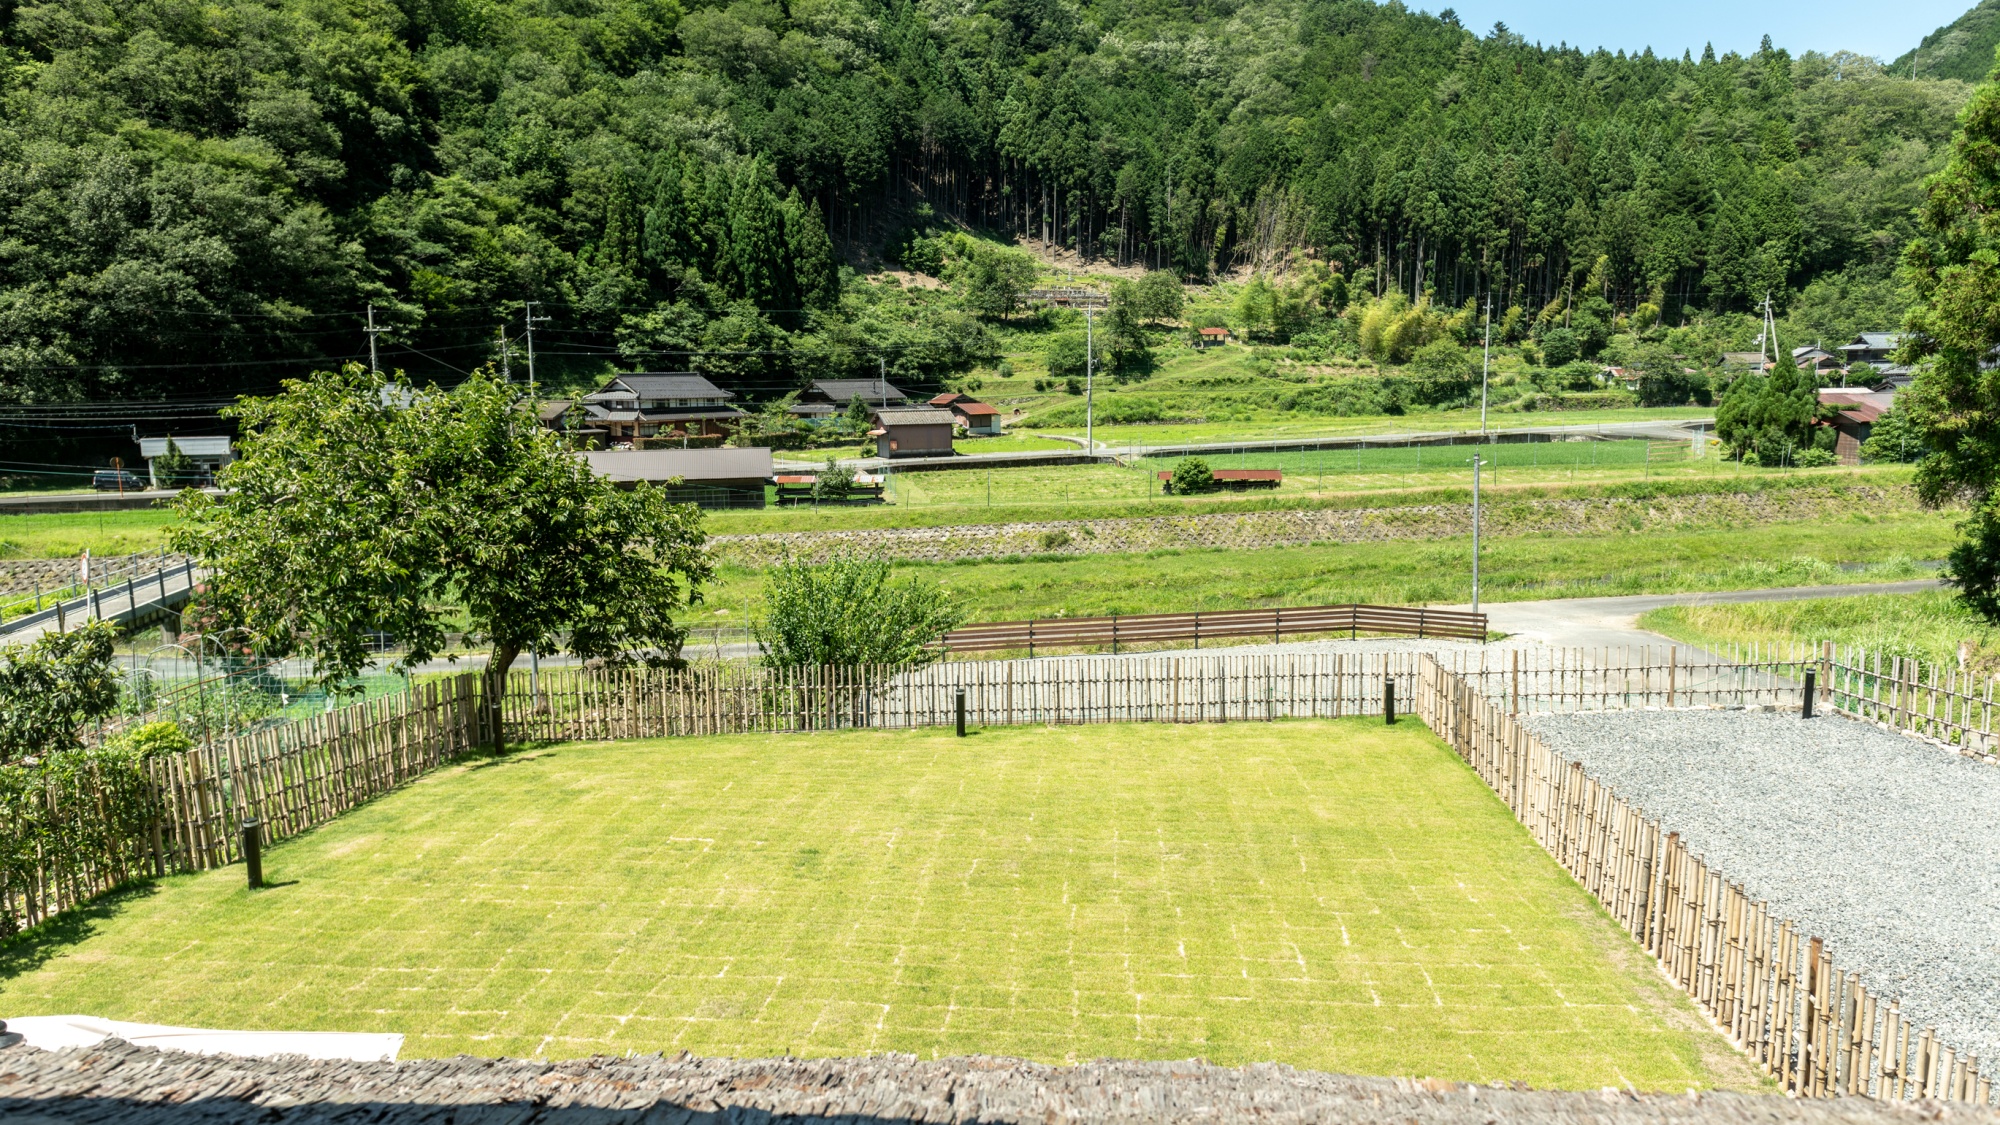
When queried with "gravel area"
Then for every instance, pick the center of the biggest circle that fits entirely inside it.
(1882, 845)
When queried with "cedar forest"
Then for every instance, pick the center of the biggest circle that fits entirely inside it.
(206, 193)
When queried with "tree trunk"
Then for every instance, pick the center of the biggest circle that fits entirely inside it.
(496, 690)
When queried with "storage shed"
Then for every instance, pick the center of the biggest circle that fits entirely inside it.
(711, 478)
(916, 432)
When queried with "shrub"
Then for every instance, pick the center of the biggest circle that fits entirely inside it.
(1192, 474)
(845, 612)
(151, 740)
(1814, 458)
(1560, 346)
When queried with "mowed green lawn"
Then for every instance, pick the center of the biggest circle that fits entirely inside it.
(1333, 894)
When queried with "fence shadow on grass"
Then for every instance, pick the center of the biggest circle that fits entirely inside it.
(37, 946)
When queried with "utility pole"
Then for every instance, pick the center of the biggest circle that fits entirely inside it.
(1485, 364)
(528, 315)
(1475, 533)
(374, 367)
(506, 356)
(882, 377)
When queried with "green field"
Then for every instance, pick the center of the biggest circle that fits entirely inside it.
(1297, 426)
(55, 535)
(1929, 626)
(1330, 894)
(1857, 548)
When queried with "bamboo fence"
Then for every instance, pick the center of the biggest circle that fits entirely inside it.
(292, 778)
(1813, 1027)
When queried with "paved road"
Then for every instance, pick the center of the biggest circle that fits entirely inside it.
(1590, 622)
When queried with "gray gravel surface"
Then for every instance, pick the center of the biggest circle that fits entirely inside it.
(1887, 847)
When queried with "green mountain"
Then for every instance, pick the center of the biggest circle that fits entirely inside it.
(198, 196)
(1961, 49)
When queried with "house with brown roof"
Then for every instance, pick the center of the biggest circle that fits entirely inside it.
(918, 431)
(1208, 336)
(1859, 408)
(978, 418)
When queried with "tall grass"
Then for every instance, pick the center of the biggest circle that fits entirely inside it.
(1929, 626)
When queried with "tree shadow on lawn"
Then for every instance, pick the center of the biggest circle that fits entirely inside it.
(37, 946)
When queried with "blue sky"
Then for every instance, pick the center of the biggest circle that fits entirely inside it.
(1884, 30)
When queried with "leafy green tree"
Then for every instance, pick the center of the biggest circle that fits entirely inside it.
(1664, 379)
(1444, 372)
(172, 468)
(1953, 272)
(361, 504)
(1190, 475)
(1769, 417)
(833, 483)
(1066, 351)
(51, 689)
(1560, 347)
(858, 414)
(1157, 297)
(1893, 439)
(992, 281)
(846, 612)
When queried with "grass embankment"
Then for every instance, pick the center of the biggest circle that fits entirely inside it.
(1335, 895)
(60, 534)
(1859, 548)
(1104, 492)
(1305, 426)
(1109, 492)
(1929, 626)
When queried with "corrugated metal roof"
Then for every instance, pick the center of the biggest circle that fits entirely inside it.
(209, 446)
(658, 465)
(916, 416)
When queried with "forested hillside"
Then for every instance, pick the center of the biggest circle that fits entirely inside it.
(203, 196)
(1961, 49)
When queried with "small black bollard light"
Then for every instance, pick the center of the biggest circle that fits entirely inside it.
(1806, 711)
(253, 851)
(961, 712)
(1389, 702)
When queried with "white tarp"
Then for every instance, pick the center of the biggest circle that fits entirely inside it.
(53, 1033)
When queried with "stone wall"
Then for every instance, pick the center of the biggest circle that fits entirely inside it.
(1252, 530)
(26, 576)
(115, 1081)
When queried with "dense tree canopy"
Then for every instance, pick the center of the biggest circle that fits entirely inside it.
(228, 184)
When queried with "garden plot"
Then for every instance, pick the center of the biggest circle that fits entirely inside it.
(1331, 894)
(1880, 844)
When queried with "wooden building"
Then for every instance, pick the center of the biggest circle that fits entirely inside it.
(918, 431)
(980, 418)
(711, 478)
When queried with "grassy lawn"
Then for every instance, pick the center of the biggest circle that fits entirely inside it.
(1335, 895)
(1860, 548)
(1929, 626)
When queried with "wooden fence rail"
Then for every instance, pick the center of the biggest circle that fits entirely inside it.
(1811, 1026)
(1155, 628)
